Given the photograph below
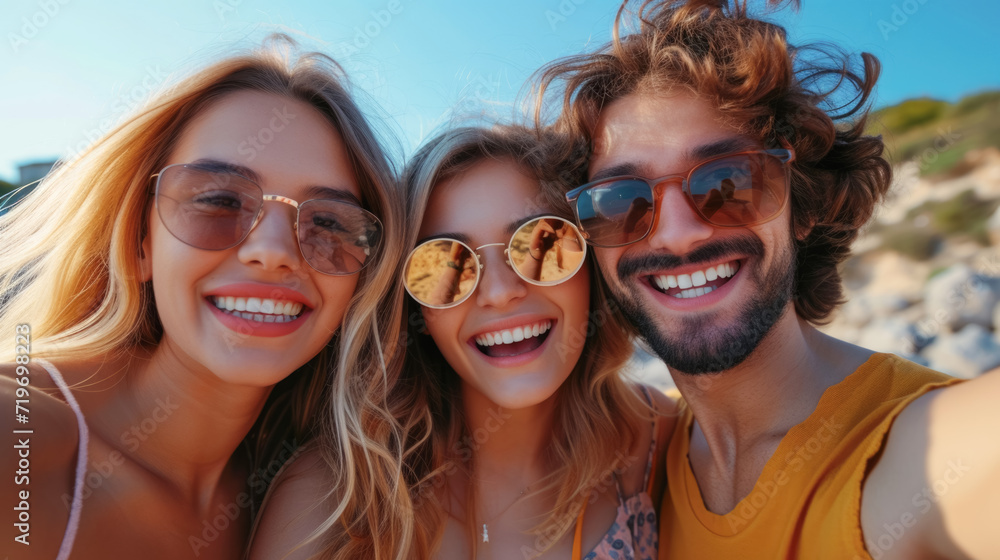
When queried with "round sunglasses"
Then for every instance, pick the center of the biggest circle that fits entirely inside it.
(732, 190)
(216, 210)
(443, 272)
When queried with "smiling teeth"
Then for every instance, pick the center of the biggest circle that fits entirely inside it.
(696, 279)
(517, 334)
(261, 310)
(694, 292)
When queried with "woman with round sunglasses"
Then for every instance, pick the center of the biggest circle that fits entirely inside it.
(184, 298)
(531, 441)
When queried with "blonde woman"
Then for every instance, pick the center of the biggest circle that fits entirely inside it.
(537, 444)
(185, 295)
(524, 439)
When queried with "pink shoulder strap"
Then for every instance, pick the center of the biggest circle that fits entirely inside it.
(81, 462)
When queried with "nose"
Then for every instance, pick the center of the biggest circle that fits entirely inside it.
(272, 243)
(678, 229)
(498, 284)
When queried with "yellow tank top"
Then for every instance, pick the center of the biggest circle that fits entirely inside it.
(807, 501)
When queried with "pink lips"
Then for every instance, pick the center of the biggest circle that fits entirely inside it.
(248, 327)
(519, 359)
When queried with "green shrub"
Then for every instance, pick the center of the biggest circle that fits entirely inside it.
(973, 103)
(965, 213)
(910, 114)
(910, 241)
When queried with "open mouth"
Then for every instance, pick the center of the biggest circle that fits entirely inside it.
(697, 283)
(513, 342)
(261, 310)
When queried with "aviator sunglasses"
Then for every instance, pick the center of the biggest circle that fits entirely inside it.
(443, 272)
(216, 210)
(732, 190)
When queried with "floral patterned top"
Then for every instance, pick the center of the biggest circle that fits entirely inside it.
(634, 534)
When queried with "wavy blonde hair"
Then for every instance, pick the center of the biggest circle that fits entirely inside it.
(597, 411)
(69, 266)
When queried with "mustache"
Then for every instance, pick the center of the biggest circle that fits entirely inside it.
(640, 265)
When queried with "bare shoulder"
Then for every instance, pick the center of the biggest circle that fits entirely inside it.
(43, 434)
(297, 504)
(937, 477)
(32, 405)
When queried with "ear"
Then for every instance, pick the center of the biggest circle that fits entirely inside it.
(146, 259)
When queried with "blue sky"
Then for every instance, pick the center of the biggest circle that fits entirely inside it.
(70, 68)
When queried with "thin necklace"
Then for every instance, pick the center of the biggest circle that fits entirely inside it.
(486, 530)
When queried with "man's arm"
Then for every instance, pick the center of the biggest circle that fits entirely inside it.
(935, 491)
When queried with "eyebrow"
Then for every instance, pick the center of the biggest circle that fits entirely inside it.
(698, 153)
(219, 166)
(616, 171)
(316, 191)
(722, 147)
(330, 192)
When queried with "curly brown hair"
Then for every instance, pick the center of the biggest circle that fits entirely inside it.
(768, 89)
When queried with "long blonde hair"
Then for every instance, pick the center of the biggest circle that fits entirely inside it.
(597, 410)
(69, 267)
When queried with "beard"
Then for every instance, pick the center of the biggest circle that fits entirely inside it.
(701, 344)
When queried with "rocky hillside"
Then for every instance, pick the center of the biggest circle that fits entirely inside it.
(925, 279)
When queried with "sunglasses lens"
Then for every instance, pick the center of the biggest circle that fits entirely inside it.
(440, 273)
(547, 251)
(617, 212)
(740, 190)
(337, 237)
(204, 209)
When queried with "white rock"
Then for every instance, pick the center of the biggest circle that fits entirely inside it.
(968, 353)
(960, 296)
(892, 334)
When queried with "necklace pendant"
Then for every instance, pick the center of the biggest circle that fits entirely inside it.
(486, 534)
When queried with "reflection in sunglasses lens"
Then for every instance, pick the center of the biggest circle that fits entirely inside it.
(546, 250)
(440, 272)
(207, 210)
(543, 251)
(739, 190)
(335, 237)
(214, 211)
(616, 213)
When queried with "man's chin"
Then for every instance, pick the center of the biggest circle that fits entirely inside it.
(709, 342)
